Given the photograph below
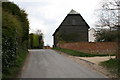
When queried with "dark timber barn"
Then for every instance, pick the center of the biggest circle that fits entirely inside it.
(73, 29)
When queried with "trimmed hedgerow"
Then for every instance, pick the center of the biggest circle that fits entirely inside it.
(15, 35)
(36, 41)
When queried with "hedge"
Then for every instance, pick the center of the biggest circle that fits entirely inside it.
(15, 34)
(36, 41)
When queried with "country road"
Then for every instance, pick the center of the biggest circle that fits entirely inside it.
(47, 63)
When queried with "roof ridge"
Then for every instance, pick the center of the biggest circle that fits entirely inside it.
(73, 12)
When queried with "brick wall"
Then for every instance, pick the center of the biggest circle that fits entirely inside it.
(92, 47)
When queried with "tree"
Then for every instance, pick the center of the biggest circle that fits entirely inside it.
(105, 35)
(40, 38)
(36, 40)
(109, 17)
(109, 14)
(31, 40)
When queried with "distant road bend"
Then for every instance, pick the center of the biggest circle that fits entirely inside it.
(47, 63)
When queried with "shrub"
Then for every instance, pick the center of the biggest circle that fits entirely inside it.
(15, 29)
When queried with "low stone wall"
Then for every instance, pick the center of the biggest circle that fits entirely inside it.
(92, 47)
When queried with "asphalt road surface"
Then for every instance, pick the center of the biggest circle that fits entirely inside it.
(46, 63)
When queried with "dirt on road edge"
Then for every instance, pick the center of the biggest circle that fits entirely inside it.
(89, 65)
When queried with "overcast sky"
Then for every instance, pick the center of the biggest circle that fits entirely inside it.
(47, 15)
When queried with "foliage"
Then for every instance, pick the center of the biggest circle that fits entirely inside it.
(36, 41)
(109, 17)
(14, 70)
(15, 29)
(106, 35)
(78, 53)
(21, 15)
(31, 40)
(11, 8)
(9, 42)
(113, 65)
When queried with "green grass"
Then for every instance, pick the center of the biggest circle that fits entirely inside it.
(113, 65)
(12, 72)
(78, 53)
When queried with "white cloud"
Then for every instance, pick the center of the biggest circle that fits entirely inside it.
(48, 14)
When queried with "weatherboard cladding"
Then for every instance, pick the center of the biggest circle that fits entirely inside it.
(73, 24)
(73, 20)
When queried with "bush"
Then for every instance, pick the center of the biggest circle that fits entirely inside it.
(15, 28)
(113, 65)
(106, 35)
(36, 41)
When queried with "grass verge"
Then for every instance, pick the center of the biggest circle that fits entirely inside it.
(113, 66)
(78, 53)
(13, 71)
